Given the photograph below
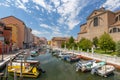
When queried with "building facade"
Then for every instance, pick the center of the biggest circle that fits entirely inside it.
(14, 36)
(56, 42)
(100, 21)
(20, 26)
(5, 38)
(2, 26)
(43, 41)
(28, 39)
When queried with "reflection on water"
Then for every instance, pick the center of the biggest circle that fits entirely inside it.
(57, 69)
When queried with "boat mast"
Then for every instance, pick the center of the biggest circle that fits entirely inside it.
(21, 70)
(15, 76)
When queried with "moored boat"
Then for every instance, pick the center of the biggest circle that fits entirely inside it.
(34, 53)
(84, 66)
(73, 58)
(104, 70)
(27, 69)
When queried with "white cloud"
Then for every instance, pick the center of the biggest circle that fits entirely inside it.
(44, 4)
(25, 1)
(45, 26)
(56, 3)
(4, 4)
(37, 7)
(69, 11)
(40, 33)
(111, 4)
(36, 32)
(21, 5)
(52, 28)
(40, 2)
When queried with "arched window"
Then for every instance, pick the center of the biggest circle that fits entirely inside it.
(111, 31)
(96, 21)
(114, 30)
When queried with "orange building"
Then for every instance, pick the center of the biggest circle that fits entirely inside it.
(14, 36)
(11, 20)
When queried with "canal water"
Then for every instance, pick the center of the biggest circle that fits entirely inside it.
(57, 69)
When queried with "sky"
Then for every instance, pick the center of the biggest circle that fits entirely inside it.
(54, 18)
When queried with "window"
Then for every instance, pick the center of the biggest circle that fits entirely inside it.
(116, 19)
(114, 30)
(1, 24)
(1, 32)
(96, 21)
(118, 29)
(111, 31)
(119, 17)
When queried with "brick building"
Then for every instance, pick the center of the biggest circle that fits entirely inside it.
(100, 21)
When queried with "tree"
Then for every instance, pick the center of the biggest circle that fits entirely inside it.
(118, 48)
(106, 42)
(71, 40)
(62, 45)
(85, 44)
(95, 42)
(70, 43)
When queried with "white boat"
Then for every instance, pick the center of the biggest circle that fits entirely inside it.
(84, 65)
(104, 70)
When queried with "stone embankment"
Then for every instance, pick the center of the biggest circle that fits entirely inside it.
(113, 60)
(7, 57)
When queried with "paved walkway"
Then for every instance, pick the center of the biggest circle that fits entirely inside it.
(6, 57)
(114, 60)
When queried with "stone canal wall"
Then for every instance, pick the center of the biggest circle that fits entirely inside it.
(113, 60)
(7, 58)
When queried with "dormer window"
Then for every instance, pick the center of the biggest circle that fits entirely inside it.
(95, 21)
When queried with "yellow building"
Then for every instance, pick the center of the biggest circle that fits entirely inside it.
(14, 35)
(49, 42)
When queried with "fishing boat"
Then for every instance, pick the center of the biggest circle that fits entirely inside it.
(104, 70)
(24, 69)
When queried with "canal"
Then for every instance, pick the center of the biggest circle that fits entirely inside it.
(57, 69)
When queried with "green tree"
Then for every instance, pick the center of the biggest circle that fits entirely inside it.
(118, 48)
(70, 43)
(95, 42)
(62, 45)
(71, 40)
(85, 44)
(106, 42)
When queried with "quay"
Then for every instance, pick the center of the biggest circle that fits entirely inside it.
(7, 58)
(113, 60)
